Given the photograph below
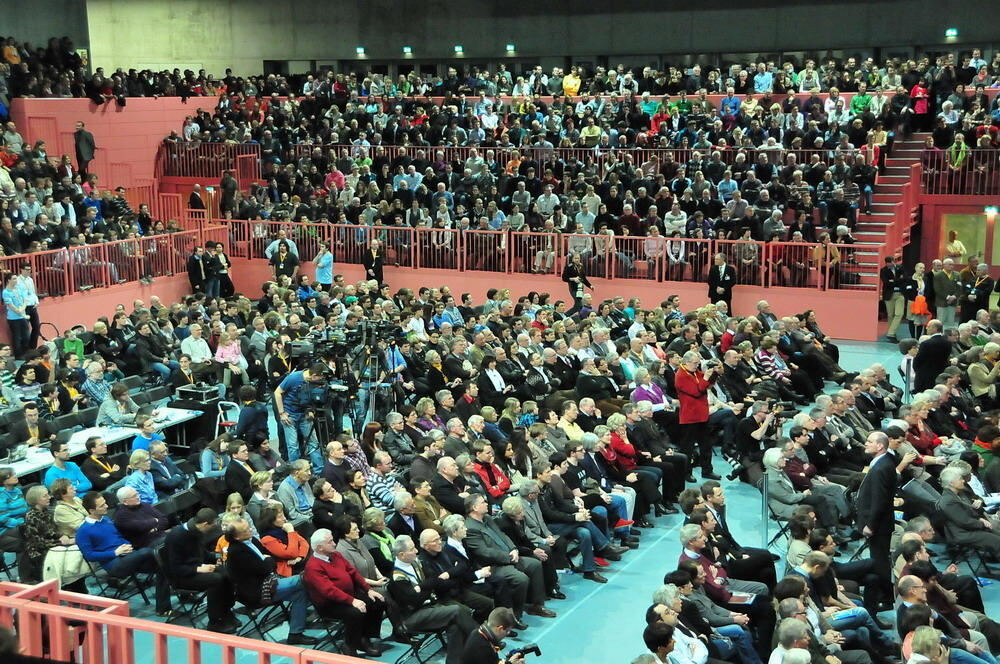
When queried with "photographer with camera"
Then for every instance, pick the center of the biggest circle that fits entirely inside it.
(692, 384)
(297, 418)
(754, 434)
(484, 644)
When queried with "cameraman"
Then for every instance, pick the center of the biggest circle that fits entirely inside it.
(291, 403)
(483, 645)
(754, 435)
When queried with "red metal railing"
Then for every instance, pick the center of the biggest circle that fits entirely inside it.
(206, 160)
(60, 272)
(975, 174)
(769, 264)
(67, 627)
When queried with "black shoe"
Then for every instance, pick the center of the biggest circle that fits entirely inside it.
(370, 649)
(659, 510)
(642, 522)
(690, 479)
(595, 576)
(615, 549)
(670, 509)
(556, 594)
(882, 622)
(232, 621)
(402, 636)
(709, 475)
(539, 610)
(609, 555)
(520, 624)
(634, 532)
(629, 544)
(220, 627)
(301, 640)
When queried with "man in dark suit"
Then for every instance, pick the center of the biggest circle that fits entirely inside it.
(439, 558)
(238, 471)
(168, 478)
(403, 522)
(488, 545)
(249, 565)
(932, 357)
(185, 562)
(373, 260)
(891, 276)
(874, 503)
(31, 430)
(83, 142)
(744, 562)
(721, 279)
(977, 290)
(195, 201)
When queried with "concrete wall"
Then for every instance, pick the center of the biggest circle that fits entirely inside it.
(243, 33)
(36, 21)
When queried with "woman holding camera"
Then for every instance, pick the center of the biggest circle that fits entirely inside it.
(692, 385)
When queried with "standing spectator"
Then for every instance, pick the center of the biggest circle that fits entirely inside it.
(874, 503)
(373, 261)
(721, 280)
(83, 142)
(17, 316)
(891, 277)
(692, 385)
(29, 296)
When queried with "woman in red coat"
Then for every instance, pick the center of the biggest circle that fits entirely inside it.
(692, 387)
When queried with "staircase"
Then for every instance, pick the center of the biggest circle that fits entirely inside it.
(870, 231)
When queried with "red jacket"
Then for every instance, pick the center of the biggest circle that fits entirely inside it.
(334, 582)
(625, 451)
(496, 483)
(692, 392)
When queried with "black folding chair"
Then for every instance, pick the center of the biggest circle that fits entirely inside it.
(193, 603)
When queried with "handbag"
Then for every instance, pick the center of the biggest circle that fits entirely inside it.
(919, 306)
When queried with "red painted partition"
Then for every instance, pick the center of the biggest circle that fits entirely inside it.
(127, 137)
(843, 314)
(84, 308)
(67, 627)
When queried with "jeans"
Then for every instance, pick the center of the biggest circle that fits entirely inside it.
(589, 537)
(861, 622)
(866, 194)
(292, 591)
(164, 369)
(965, 657)
(741, 642)
(212, 286)
(301, 428)
(619, 510)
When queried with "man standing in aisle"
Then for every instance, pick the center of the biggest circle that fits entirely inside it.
(874, 503)
(83, 141)
(291, 402)
(891, 277)
(721, 279)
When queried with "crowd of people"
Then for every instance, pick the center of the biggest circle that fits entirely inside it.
(519, 439)
(490, 447)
